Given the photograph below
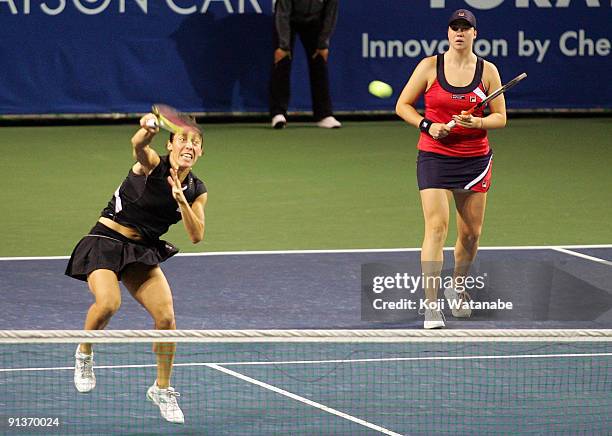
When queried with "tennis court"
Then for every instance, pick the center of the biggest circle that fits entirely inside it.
(337, 381)
(300, 311)
(327, 382)
(288, 236)
(550, 288)
(304, 188)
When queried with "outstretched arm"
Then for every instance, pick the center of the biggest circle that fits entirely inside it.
(146, 158)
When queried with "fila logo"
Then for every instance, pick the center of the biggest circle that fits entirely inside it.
(461, 14)
(458, 97)
(472, 99)
(484, 183)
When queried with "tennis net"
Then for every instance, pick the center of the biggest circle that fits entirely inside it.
(327, 382)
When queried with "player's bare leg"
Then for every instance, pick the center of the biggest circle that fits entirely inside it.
(149, 287)
(435, 203)
(470, 218)
(105, 288)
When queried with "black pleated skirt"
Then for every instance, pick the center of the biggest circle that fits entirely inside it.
(103, 248)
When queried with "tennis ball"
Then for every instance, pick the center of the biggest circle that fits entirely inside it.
(380, 89)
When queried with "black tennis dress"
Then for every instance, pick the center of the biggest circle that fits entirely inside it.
(141, 202)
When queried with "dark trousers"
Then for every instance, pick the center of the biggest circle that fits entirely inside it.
(280, 84)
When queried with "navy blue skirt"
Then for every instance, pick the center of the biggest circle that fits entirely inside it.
(456, 173)
(103, 248)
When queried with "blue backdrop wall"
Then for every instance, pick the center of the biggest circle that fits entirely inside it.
(101, 56)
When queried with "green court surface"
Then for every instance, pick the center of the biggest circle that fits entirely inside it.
(309, 188)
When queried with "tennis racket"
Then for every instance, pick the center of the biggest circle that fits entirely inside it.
(172, 120)
(490, 97)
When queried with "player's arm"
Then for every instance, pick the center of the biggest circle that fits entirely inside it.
(497, 107)
(192, 216)
(422, 77)
(146, 158)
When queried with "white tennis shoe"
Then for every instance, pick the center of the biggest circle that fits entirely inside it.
(279, 121)
(329, 123)
(434, 319)
(165, 399)
(455, 302)
(84, 377)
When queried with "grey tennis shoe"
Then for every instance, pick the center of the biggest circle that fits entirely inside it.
(455, 302)
(434, 319)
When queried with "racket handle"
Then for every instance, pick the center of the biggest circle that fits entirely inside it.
(152, 123)
(451, 124)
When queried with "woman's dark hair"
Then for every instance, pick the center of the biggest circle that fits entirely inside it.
(194, 120)
(172, 136)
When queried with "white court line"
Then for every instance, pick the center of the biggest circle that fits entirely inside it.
(583, 256)
(411, 359)
(307, 362)
(36, 258)
(340, 251)
(304, 400)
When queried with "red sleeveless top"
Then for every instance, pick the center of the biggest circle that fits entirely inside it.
(442, 101)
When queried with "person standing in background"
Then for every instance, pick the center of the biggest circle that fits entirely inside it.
(314, 21)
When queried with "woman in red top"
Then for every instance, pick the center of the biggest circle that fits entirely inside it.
(452, 162)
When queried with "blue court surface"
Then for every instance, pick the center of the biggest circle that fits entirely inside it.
(314, 388)
(550, 287)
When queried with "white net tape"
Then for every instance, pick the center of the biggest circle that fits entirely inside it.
(119, 336)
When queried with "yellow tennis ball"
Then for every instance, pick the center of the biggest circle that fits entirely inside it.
(380, 89)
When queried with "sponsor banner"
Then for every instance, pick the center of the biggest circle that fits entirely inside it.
(106, 56)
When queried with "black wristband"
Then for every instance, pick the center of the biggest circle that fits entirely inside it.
(425, 125)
